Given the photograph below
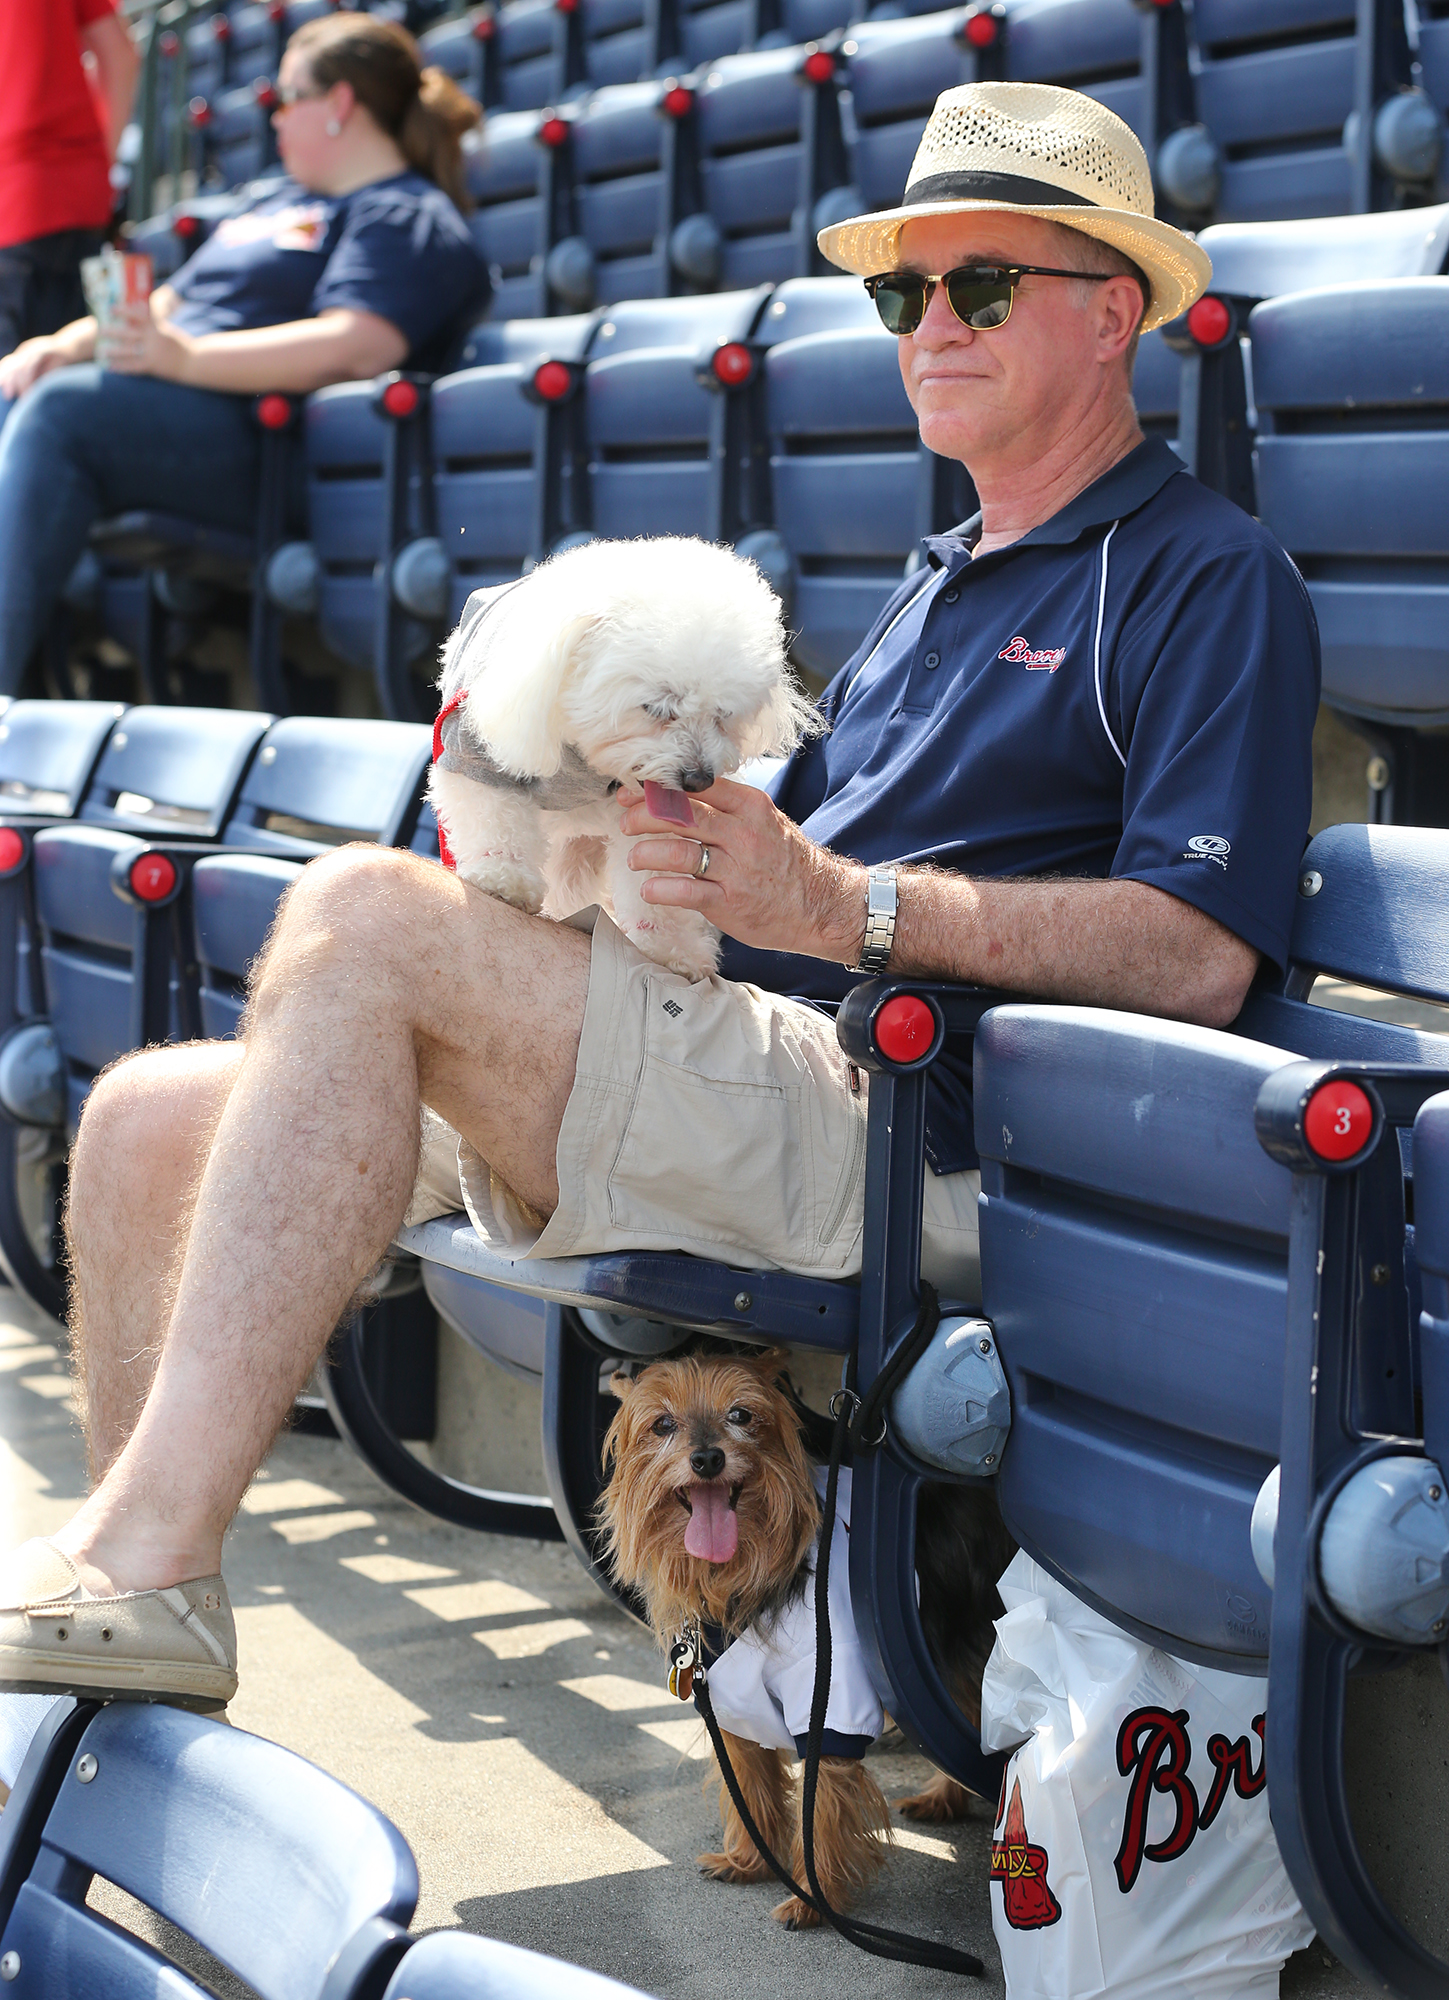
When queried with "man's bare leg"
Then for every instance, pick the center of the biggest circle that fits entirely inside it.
(387, 981)
(134, 1172)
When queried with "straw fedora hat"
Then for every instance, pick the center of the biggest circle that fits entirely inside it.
(1033, 149)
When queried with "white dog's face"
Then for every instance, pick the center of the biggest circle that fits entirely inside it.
(653, 660)
(632, 724)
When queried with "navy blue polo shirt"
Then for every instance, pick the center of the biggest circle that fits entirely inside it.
(1129, 690)
(397, 248)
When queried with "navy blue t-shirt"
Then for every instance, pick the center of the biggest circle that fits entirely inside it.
(397, 248)
(1129, 690)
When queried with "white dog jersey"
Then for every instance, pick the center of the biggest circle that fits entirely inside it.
(762, 1683)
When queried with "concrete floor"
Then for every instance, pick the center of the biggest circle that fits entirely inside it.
(513, 1724)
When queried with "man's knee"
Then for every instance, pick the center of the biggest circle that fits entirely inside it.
(363, 907)
(146, 1107)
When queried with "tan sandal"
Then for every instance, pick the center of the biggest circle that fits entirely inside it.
(176, 1645)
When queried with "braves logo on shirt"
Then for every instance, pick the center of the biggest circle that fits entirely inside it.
(300, 227)
(1021, 652)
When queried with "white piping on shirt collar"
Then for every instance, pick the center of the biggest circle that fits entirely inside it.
(932, 576)
(1097, 646)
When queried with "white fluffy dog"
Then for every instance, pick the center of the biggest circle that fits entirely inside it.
(652, 665)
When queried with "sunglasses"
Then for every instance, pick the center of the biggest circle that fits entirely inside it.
(980, 295)
(289, 94)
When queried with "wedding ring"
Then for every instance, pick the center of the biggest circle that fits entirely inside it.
(703, 868)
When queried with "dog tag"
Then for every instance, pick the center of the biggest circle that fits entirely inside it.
(682, 1658)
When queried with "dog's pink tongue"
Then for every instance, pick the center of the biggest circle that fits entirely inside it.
(665, 804)
(713, 1533)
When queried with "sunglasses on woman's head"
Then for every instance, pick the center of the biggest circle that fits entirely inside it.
(980, 295)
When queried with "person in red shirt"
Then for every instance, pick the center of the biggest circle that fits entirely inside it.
(59, 128)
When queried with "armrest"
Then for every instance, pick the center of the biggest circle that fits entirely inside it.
(1338, 1551)
(916, 1019)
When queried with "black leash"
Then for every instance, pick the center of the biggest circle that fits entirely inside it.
(864, 1427)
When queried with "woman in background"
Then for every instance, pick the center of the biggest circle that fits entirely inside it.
(361, 263)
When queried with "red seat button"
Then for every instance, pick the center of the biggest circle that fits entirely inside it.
(153, 877)
(1338, 1121)
(905, 1029)
(12, 849)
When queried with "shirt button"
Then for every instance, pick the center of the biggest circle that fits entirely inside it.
(949, 596)
(932, 660)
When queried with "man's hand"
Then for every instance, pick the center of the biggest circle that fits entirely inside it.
(768, 884)
(135, 342)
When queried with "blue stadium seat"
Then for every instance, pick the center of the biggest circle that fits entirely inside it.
(621, 194)
(369, 494)
(694, 32)
(257, 39)
(507, 169)
(845, 471)
(659, 449)
(497, 455)
(1089, 45)
(1134, 1256)
(1275, 85)
(166, 774)
(894, 72)
(168, 549)
(1353, 479)
(770, 147)
(48, 755)
(451, 1965)
(527, 49)
(1157, 386)
(239, 143)
(205, 57)
(458, 49)
(1260, 260)
(1352, 1530)
(295, 1884)
(315, 784)
(609, 41)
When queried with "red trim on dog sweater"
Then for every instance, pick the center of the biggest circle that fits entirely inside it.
(445, 853)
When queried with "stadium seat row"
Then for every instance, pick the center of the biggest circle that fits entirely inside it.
(1247, 111)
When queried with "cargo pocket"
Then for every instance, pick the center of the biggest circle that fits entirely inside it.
(847, 1203)
(724, 1161)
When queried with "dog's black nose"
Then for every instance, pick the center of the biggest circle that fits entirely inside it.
(708, 1461)
(696, 781)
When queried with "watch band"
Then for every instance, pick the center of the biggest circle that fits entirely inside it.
(880, 920)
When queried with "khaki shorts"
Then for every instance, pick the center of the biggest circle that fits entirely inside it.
(710, 1118)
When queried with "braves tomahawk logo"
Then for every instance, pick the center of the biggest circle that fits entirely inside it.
(1021, 1869)
(1022, 653)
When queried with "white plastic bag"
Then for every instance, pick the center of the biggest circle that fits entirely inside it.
(1132, 1854)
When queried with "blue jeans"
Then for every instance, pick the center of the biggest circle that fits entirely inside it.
(86, 443)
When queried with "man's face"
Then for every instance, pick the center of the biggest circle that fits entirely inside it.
(1015, 390)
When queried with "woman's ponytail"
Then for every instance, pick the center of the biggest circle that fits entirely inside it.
(432, 131)
(422, 110)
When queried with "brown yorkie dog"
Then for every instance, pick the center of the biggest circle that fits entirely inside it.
(711, 1513)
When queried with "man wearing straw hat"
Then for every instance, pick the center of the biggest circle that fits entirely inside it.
(1072, 760)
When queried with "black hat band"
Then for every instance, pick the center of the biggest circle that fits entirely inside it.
(1016, 188)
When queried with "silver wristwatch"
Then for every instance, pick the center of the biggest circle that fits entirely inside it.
(880, 920)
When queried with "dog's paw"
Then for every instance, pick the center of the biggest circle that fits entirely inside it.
(724, 1868)
(509, 882)
(691, 955)
(796, 1916)
(943, 1799)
